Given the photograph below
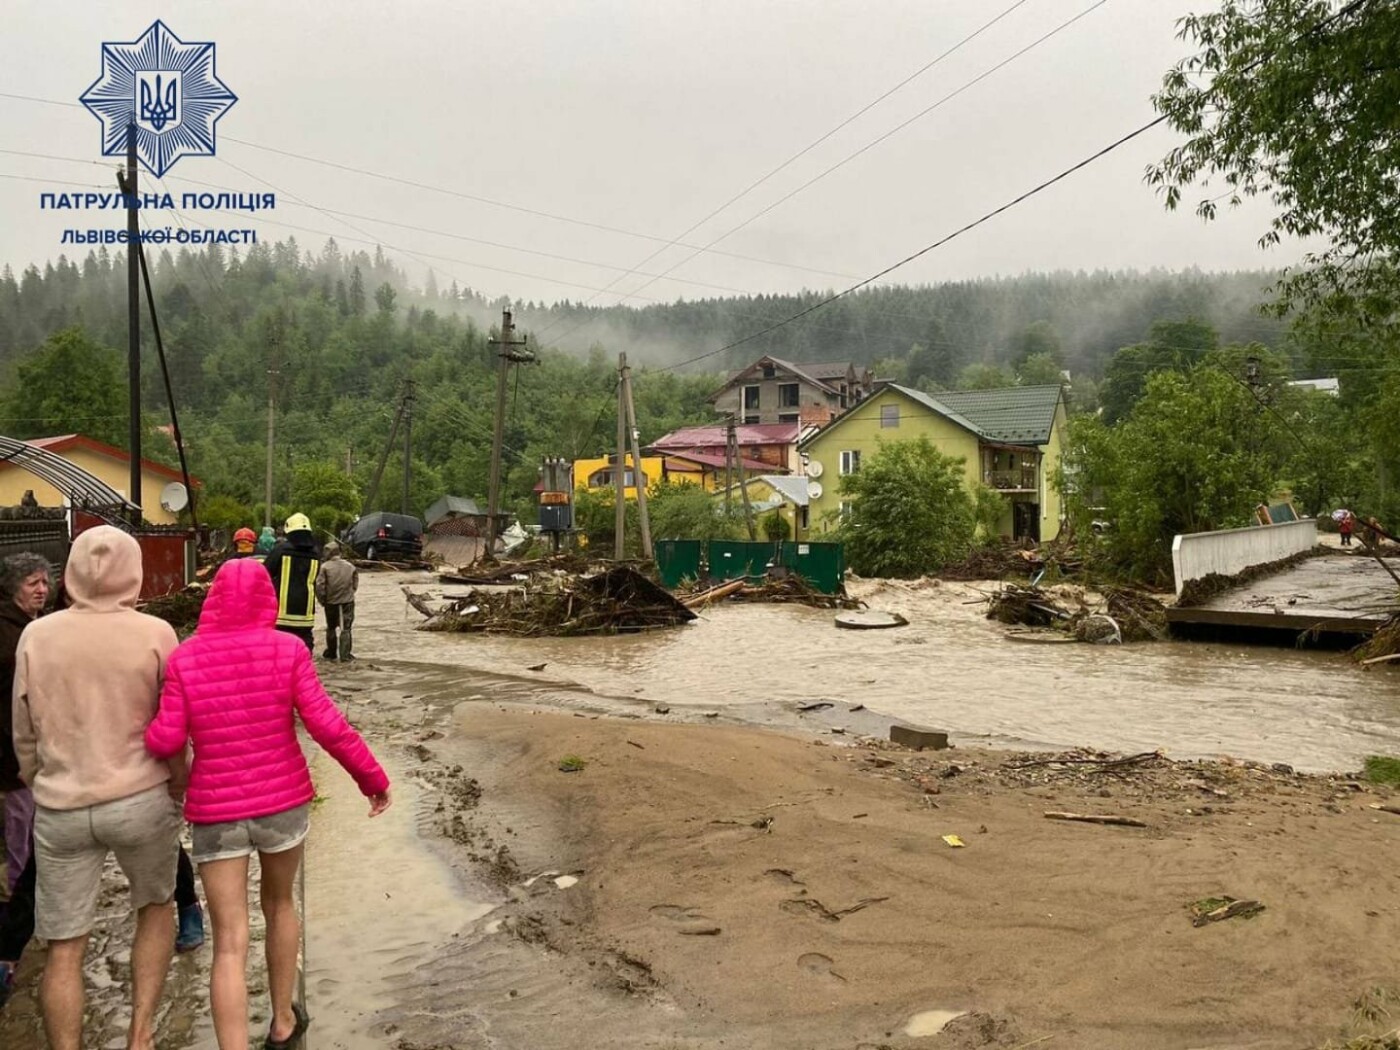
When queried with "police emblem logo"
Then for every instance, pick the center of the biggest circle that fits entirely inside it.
(158, 100)
(165, 91)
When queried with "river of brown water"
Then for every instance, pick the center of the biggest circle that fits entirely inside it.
(950, 668)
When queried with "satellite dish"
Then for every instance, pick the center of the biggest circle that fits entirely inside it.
(814, 468)
(174, 497)
(814, 490)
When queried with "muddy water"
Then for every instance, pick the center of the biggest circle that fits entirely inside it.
(953, 669)
(380, 906)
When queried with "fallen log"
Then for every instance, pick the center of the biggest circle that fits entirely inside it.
(714, 594)
(1094, 818)
(419, 603)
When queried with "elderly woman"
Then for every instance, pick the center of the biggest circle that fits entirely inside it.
(25, 583)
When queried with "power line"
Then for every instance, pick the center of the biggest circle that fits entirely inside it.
(815, 143)
(870, 145)
(931, 247)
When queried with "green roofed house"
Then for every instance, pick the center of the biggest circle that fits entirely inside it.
(1008, 440)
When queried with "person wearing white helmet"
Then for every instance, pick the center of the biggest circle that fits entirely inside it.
(293, 565)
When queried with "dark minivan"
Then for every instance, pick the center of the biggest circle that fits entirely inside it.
(385, 537)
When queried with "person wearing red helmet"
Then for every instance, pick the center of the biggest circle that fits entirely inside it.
(244, 540)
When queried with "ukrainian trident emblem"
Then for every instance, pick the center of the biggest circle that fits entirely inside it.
(167, 90)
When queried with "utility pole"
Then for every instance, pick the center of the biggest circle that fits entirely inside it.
(620, 466)
(728, 469)
(638, 477)
(408, 399)
(133, 303)
(271, 413)
(505, 345)
(733, 464)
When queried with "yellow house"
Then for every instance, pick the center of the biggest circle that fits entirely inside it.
(691, 467)
(597, 473)
(1009, 440)
(107, 463)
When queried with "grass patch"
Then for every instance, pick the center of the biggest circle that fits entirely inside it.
(1382, 769)
(571, 764)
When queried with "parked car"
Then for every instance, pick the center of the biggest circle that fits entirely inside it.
(385, 537)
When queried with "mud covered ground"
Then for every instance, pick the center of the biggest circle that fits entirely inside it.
(696, 883)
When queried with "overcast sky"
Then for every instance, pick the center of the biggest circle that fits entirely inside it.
(646, 115)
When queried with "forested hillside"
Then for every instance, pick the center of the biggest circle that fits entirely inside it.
(340, 333)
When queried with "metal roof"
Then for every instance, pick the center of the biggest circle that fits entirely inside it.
(81, 488)
(453, 505)
(790, 487)
(715, 436)
(1020, 415)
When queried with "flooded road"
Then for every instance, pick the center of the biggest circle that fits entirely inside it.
(952, 669)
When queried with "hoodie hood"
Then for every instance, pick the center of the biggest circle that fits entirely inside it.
(104, 570)
(266, 540)
(240, 597)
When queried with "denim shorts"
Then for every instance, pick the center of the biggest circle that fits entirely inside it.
(274, 833)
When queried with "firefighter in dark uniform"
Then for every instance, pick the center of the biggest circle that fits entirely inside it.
(293, 565)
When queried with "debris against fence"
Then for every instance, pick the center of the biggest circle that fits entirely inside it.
(791, 589)
(617, 600)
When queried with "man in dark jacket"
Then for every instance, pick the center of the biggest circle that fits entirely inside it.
(293, 565)
(25, 582)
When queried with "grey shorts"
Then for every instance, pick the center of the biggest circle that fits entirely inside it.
(71, 847)
(274, 833)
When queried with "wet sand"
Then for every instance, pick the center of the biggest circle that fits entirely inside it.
(701, 883)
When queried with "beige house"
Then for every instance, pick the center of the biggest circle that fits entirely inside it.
(774, 391)
(108, 464)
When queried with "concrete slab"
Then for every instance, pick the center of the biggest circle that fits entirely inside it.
(1343, 593)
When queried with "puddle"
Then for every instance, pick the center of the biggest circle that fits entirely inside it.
(379, 906)
(930, 1022)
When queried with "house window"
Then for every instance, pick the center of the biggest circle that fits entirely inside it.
(788, 417)
(889, 416)
(751, 421)
(751, 398)
(769, 371)
(843, 395)
(845, 508)
(804, 516)
(788, 396)
(850, 461)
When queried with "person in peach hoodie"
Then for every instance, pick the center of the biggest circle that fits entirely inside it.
(87, 680)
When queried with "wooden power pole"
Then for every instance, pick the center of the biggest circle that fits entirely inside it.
(639, 478)
(408, 399)
(506, 349)
(271, 412)
(620, 467)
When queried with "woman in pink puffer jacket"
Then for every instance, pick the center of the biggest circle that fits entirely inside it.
(232, 690)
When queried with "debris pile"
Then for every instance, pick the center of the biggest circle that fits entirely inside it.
(992, 562)
(1125, 615)
(1141, 617)
(180, 608)
(1382, 646)
(791, 589)
(1028, 606)
(518, 571)
(614, 601)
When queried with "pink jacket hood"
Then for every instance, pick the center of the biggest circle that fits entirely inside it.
(240, 597)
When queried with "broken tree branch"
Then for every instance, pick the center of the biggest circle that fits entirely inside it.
(1093, 818)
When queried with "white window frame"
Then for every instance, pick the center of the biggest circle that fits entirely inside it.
(757, 397)
(850, 461)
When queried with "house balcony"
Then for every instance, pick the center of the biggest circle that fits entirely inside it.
(1018, 479)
